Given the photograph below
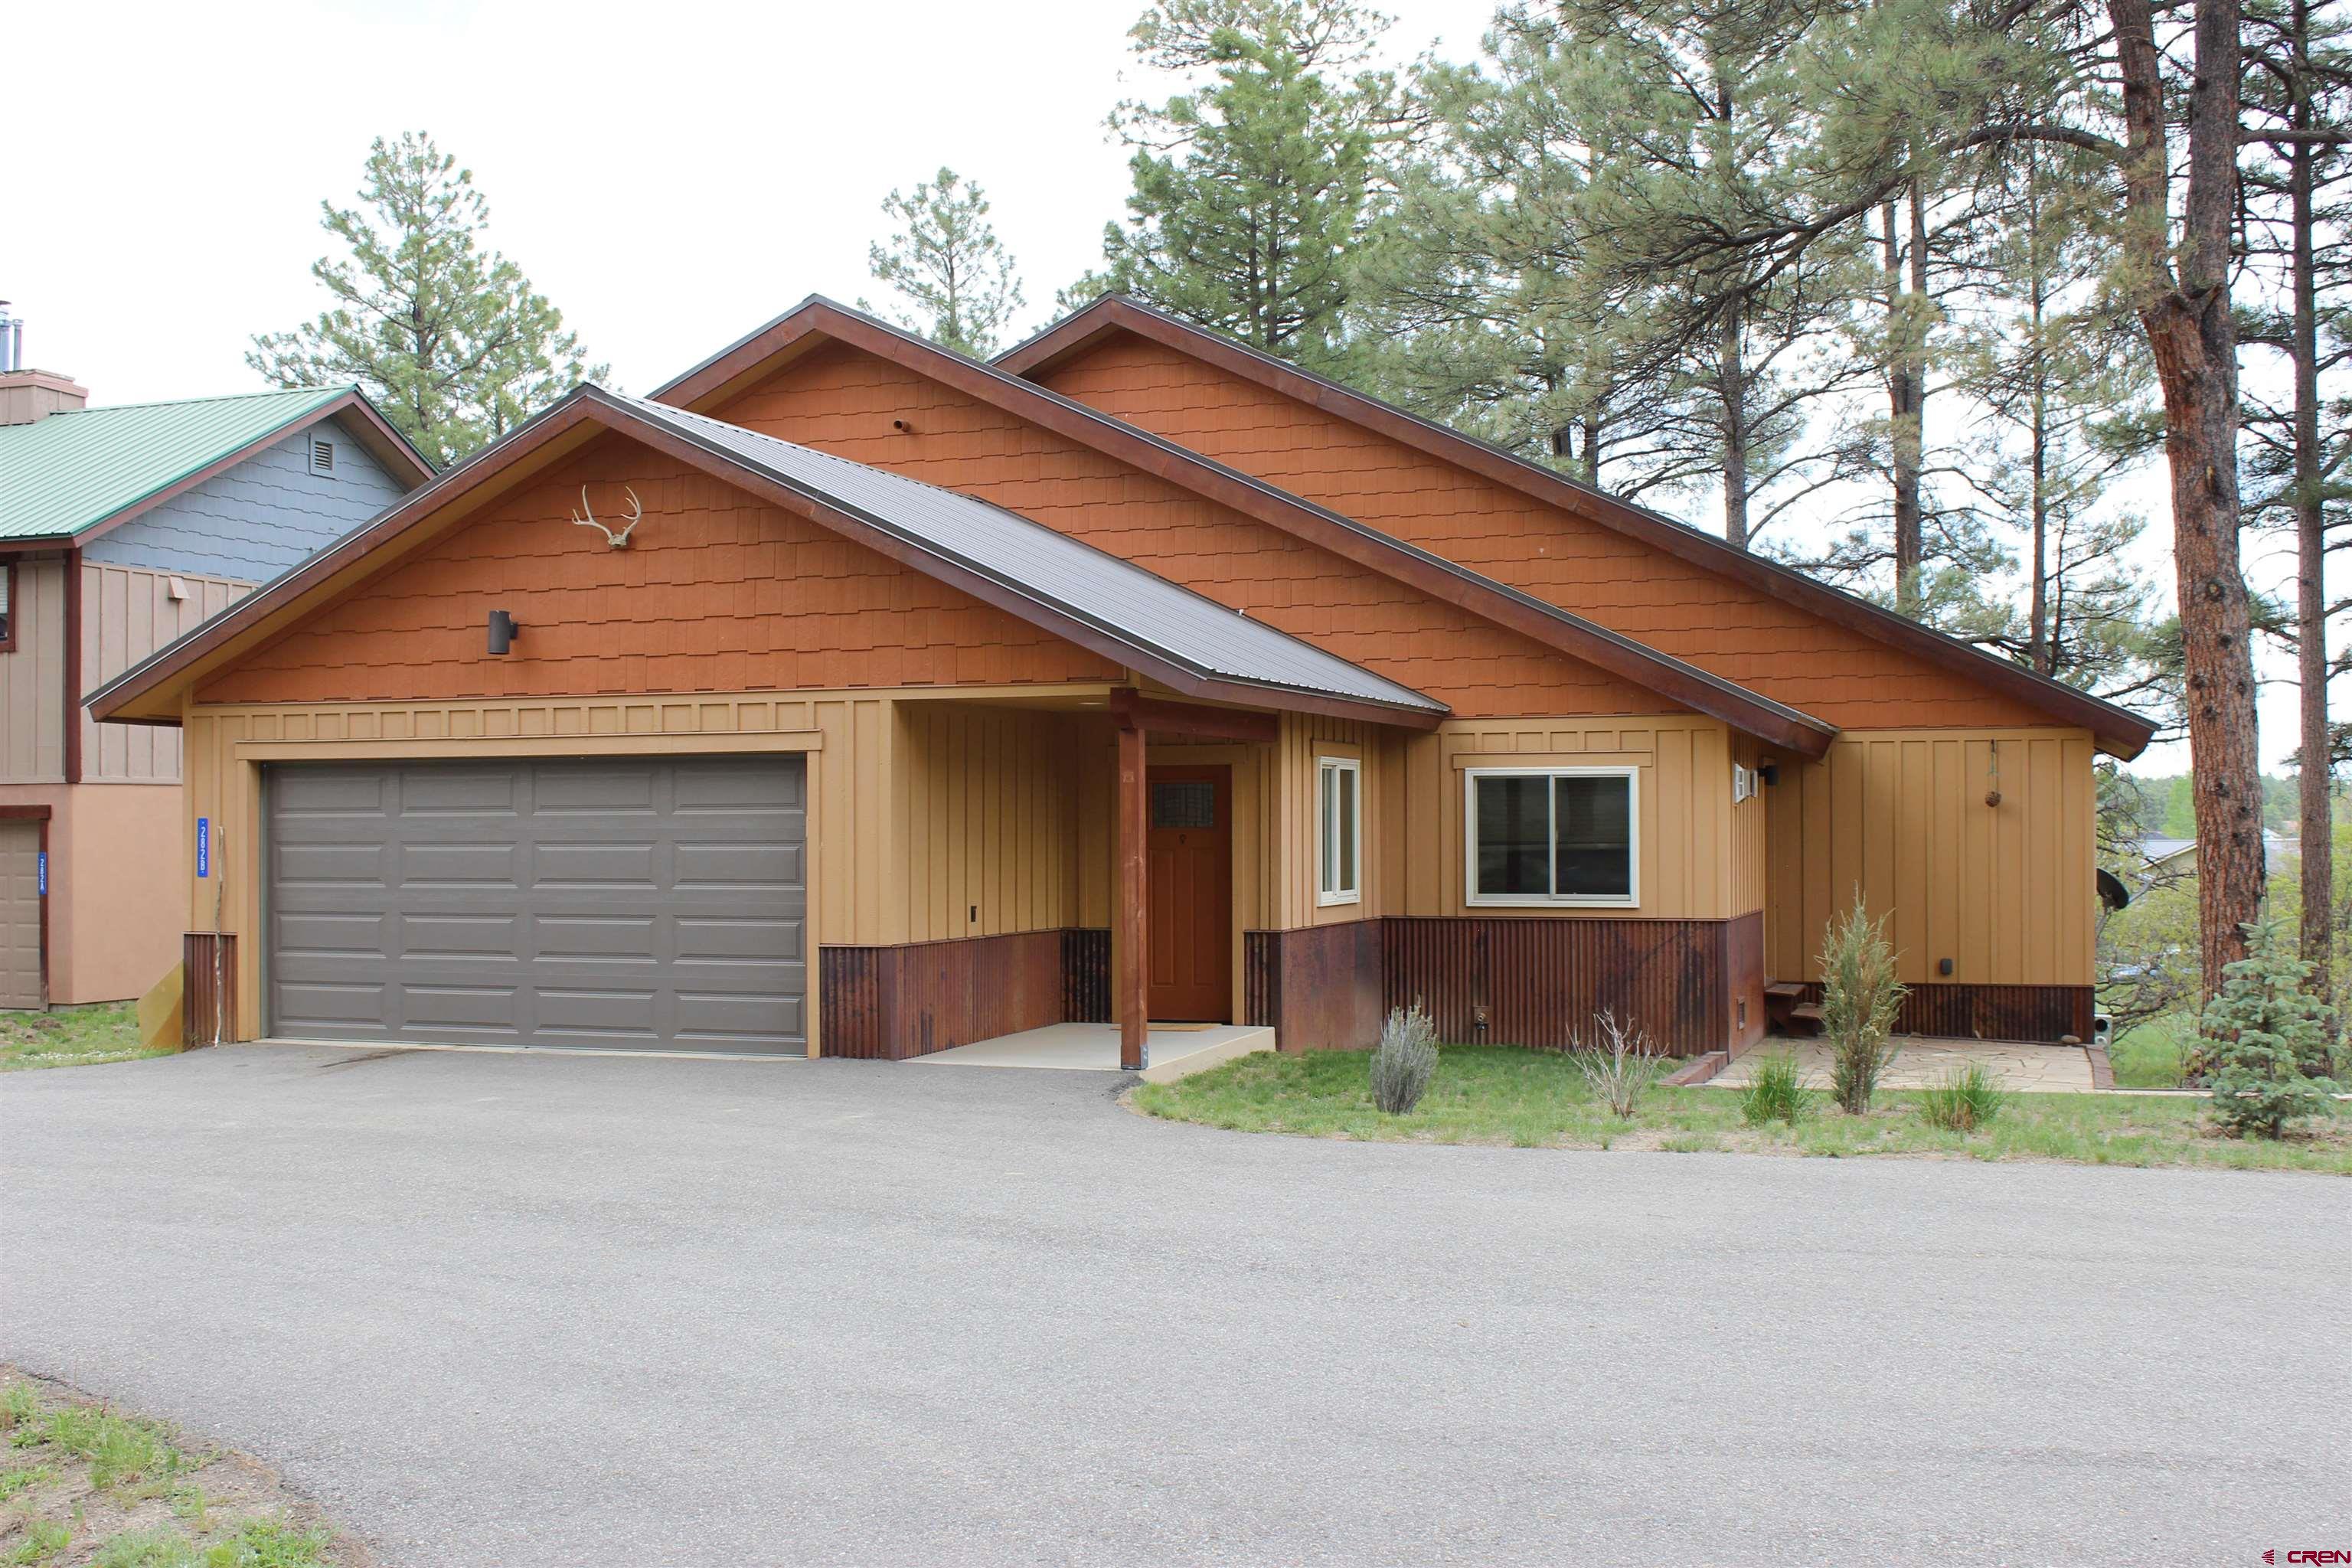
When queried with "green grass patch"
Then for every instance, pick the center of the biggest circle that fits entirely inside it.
(2149, 1056)
(72, 1037)
(1500, 1094)
(87, 1486)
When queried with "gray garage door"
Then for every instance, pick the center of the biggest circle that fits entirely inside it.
(639, 905)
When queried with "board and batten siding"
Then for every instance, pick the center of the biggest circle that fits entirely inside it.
(986, 820)
(2008, 893)
(33, 678)
(1700, 857)
(260, 517)
(127, 612)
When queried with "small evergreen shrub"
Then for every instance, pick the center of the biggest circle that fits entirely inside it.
(1403, 1060)
(2265, 1040)
(1619, 1066)
(1967, 1098)
(1859, 998)
(1776, 1091)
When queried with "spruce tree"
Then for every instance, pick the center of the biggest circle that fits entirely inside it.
(2262, 1040)
(946, 263)
(448, 339)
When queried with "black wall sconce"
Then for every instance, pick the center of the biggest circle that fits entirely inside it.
(502, 631)
(1769, 773)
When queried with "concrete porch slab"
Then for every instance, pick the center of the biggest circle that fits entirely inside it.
(1174, 1050)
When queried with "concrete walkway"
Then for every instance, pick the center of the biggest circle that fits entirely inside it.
(1923, 1061)
(1174, 1050)
(542, 1312)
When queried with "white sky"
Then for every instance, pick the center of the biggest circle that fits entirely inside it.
(670, 176)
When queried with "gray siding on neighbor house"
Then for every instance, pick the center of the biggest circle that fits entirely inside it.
(260, 517)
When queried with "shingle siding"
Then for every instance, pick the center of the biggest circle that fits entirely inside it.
(260, 517)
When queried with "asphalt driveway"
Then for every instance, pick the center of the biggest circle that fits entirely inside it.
(545, 1310)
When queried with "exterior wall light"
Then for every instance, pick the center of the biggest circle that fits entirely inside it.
(502, 631)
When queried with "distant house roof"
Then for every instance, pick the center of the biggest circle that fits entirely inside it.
(1110, 607)
(76, 473)
(2161, 851)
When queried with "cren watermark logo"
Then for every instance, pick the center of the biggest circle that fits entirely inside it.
(2315, 1555)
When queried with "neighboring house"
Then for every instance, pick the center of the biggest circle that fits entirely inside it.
(122, 529)
(1135, 675)
(2177, 856)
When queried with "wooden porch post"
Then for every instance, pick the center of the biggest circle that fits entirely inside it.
(1134, 901)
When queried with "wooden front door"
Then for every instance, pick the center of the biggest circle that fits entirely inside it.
(1191, 846)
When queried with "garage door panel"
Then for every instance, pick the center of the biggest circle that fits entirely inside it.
(762, 866)
(601, 791)
(304, 933)
(595, 938)
(443, 864)
(661, 903)
(628, 867)
(612, 1014)
(460, 791)
(764, 941)
(309, 1006)
(475, 1009)
(458, 936)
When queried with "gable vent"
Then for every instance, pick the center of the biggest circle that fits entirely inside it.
(322, 456)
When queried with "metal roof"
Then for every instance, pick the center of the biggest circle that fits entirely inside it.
(71, 472)
(1123, 599)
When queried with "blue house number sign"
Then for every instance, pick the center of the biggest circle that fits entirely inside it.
(45, 873)
(203, 846)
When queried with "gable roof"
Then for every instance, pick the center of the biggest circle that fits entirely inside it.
(1107, 605)
(2117, 729)
(817, 319)
(76, 474)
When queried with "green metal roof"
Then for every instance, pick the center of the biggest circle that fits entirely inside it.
(71, 472)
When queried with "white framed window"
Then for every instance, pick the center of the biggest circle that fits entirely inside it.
(1546, 837)
(1340, 791)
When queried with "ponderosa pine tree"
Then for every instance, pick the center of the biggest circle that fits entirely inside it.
(449, 339)
(2299, 454)
(1252, 188)
(945, 261)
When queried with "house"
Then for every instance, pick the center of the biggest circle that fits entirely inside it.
(852, 697)
(121, 529)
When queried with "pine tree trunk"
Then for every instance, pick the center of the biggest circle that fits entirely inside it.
(2040, 654)
(1731, 377)
(2318, 845)
(1906, 390)
(2193, 340)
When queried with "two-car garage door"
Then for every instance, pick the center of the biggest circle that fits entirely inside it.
(621, 903)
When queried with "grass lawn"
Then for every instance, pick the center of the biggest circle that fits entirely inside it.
(72, 1037)
(1537, 1099)
(83, 1483)
(2148, 1057)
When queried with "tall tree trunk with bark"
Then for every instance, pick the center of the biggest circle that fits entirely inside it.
(1907, 390)
(2316, 834)
(1731, 385)
(2193, 339)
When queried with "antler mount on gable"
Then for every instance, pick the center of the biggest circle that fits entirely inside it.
(612, 541)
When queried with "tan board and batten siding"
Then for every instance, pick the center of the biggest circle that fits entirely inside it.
(2008, 893)
(128, 612)
(32, 693)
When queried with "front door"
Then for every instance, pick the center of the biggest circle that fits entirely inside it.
(1192, 881)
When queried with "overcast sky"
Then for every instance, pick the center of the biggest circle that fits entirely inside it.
(669, 176)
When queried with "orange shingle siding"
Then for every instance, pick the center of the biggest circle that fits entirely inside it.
(717, 592)
(1574, 562)
(842, 401)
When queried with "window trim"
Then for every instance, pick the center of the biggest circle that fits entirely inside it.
(9, 617)
(1325, 769)
(1629, 898)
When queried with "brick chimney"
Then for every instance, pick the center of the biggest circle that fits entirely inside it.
(27, 396)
